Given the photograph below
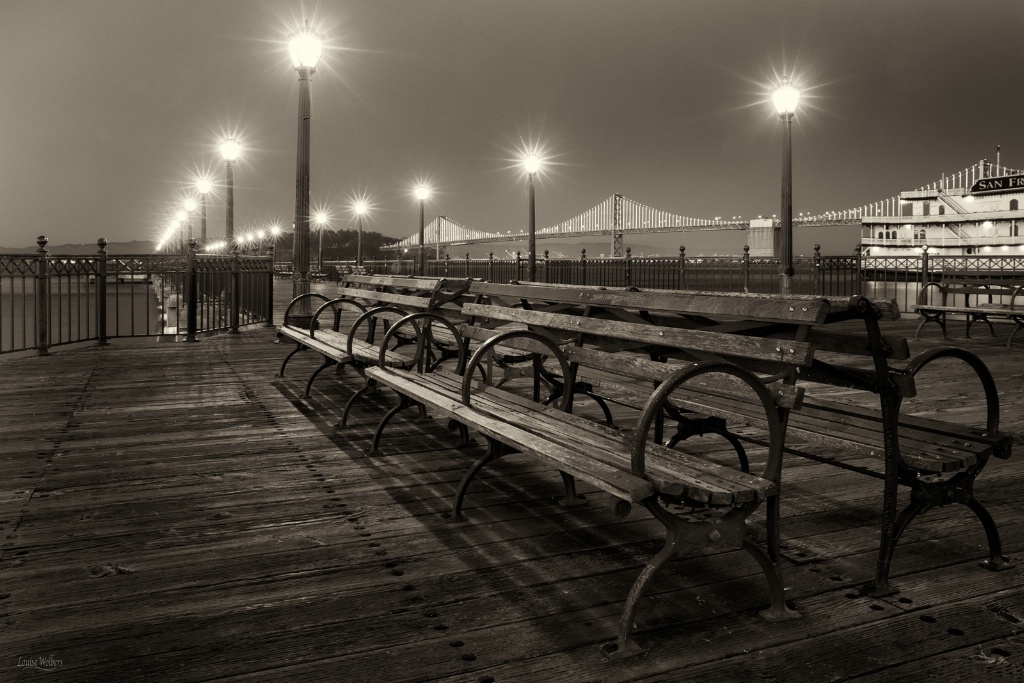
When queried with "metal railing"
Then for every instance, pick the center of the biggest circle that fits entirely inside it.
(47, 301)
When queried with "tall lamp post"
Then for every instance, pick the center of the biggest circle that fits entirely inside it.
(785, 98)
(422, 194)
(180, 217)
(360, 208)
(204, 186)
(190, 206)
(229, 149)
(531, 163)
(320, 218)
(305, 47)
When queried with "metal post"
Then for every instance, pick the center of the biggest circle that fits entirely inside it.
(681, 271)
(42, 298)
(490, 267)
(101, 293)
(236, 294)
(447, 260)
(300, 259)
(421, 256)
(547, 267)
(925, 268)
(629, 266)
(359, 243)
(192, 303)
(746, 268)
(229, 209)
(859, 257)
(818, 288)
(786, 281)
(532, 244)
(519, 264)
(270, 286)
(202, 221)
(583, 267)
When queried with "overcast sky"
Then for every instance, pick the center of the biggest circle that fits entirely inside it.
(108, 107)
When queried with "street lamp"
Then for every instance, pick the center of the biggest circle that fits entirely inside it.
(275, 232)
(305, 48)
(229, 149)
(422, 194)
(204, 186)
(531, 164)
(360, 208)
(785, 98)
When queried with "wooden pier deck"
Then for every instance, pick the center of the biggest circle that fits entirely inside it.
(175, 512)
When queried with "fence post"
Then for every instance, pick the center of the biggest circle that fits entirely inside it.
(468, 273)
(746, 268)
(519, 262)
(859, 257)
(192, 301)
(547, 274)
(447, 260)
(270, 288)
(42, 298)
(818, 289)
(101, 293)
(583, 267)
(681, 271)
(490, 267)
(925, 266)
(629, 266)
(236, 293)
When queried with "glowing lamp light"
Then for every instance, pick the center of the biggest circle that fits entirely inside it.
(305, 47)
(532, 163)
(422, 192)
(360, 208)
(275, 230)
(230, 149)
(180, 216)
(190, 204)
(204, 185)
(786, 98)
(320, 218)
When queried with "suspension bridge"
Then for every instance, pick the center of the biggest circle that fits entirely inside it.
(618, 216)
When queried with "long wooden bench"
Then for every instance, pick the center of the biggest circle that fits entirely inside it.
(981, 301)
(628, 464)
(938, 461)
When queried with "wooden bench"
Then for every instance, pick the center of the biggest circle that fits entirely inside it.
(982, 300)
(627, 464)
(362, 302)
(939, 461)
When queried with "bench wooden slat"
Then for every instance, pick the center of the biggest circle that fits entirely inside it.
(791, 352)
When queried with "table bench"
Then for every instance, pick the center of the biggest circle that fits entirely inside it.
(978, 305)
(627, 465)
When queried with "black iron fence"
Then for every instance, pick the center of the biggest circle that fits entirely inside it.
(47, 301)
(900, 278)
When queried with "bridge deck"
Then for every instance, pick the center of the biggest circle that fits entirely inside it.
(173, 512)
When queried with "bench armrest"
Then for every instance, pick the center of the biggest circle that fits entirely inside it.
(656, 403)
(422, 336)
(988, 383)
(485, 348)
(333, 304)
(368, 316)
(922, 295)
(294, 302)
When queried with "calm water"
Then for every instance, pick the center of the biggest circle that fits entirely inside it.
(132, 310)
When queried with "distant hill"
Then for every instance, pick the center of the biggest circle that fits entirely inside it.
(133, 247)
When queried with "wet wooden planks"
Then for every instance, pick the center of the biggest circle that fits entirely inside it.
(178, 513)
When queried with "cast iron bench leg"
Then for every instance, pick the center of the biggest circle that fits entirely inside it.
(298, 347)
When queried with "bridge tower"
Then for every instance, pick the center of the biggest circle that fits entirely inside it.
(617, 226)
